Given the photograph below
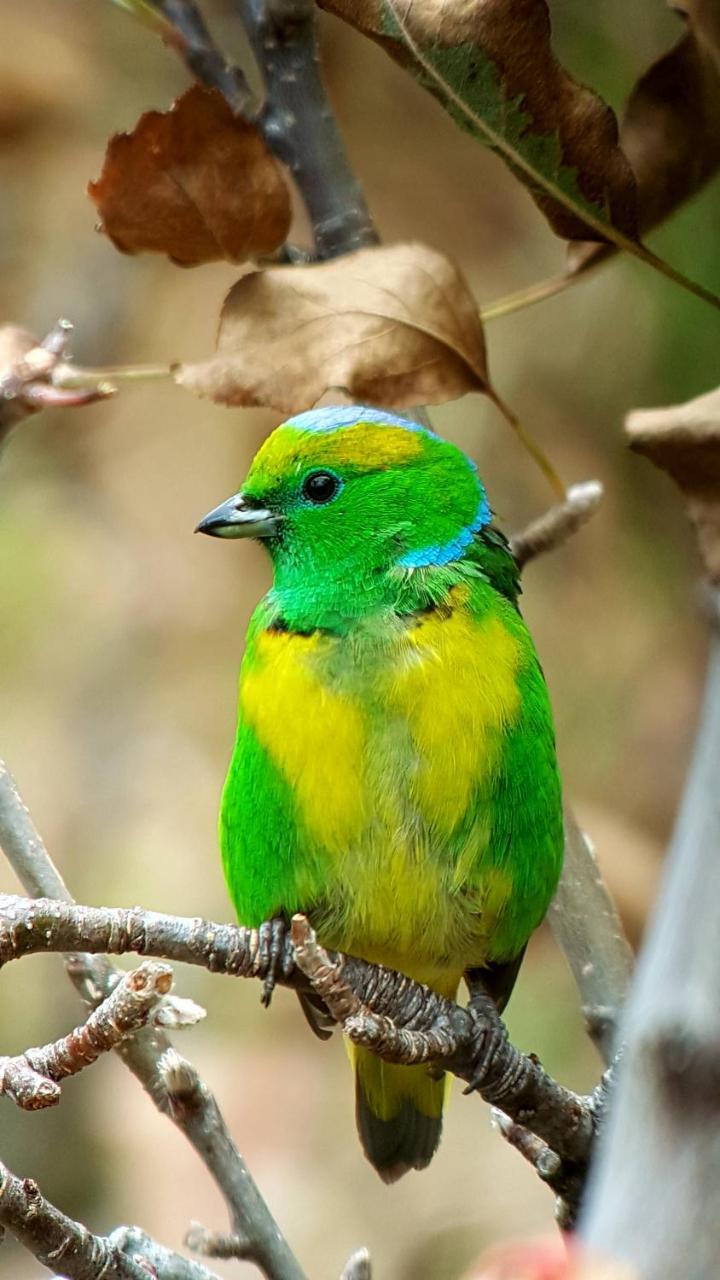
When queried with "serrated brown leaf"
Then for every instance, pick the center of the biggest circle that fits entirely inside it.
(684, 441)
(395, 326)
(670, 133)
(492, 65)
(194, 182)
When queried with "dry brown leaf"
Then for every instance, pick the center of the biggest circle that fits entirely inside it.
(670, 133)
(195, 182)
(395, 326)
(684, 441)
(493, 67)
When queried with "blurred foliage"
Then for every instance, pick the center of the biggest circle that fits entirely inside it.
(121, 633)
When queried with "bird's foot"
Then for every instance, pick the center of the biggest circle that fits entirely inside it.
(272, 936)
(493, 1036)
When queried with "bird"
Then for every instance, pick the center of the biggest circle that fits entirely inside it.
(394, 775)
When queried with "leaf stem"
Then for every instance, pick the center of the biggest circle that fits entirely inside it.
(528, 297)
(526, 440)
(75, 375)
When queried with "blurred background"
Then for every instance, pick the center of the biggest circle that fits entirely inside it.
(121, 633)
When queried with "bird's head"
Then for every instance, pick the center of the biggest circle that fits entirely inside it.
(350, 502)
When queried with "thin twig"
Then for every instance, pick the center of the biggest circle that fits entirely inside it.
(585, 921)
(358, 1266)
(26, 368)
(60, 1243)
(583, 916)
(143, 1053)
(216, 1244)
(558, 524)
(31, 1078)
(198, 50)
(194, 1109)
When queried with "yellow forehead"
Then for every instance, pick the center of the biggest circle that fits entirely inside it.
(368, 446)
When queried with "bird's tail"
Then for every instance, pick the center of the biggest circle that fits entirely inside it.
(398, 1111)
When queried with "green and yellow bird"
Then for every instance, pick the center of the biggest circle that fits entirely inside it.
(394, 775)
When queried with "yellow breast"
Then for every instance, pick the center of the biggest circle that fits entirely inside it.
(456, 684)
(314, 734)
(385, 746)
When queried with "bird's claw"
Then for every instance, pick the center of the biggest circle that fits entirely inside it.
(494, 1037)
(272, 935)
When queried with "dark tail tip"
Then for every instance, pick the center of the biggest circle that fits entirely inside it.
(408, 1141)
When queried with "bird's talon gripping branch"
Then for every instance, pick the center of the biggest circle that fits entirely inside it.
(324, 972)
(272, 937)
(492, 1037)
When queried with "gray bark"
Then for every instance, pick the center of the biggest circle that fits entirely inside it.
(654, 1194)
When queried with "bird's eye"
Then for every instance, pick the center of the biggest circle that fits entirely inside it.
(320, 487)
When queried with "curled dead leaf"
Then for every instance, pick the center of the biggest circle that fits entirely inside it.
(670, 133)
(395, 326)
(671, 130)
(195, 182)
(493, 67)
(684, 441)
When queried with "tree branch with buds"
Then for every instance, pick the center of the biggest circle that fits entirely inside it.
(141, 998)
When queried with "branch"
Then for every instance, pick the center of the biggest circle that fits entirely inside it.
(358, 1266)
(659, 1163)
(26, 368)
(399, 1019)
(295, 116)
(566, 1181)
(30, 1078)
(404, 1022)
(583, 916)
(559, 523)
(194, 1109)
(143, 1053)
(586, 924)
(58, 1241)
(192, 40)
(299, 126)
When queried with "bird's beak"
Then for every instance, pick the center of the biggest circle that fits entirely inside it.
(239, 517)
